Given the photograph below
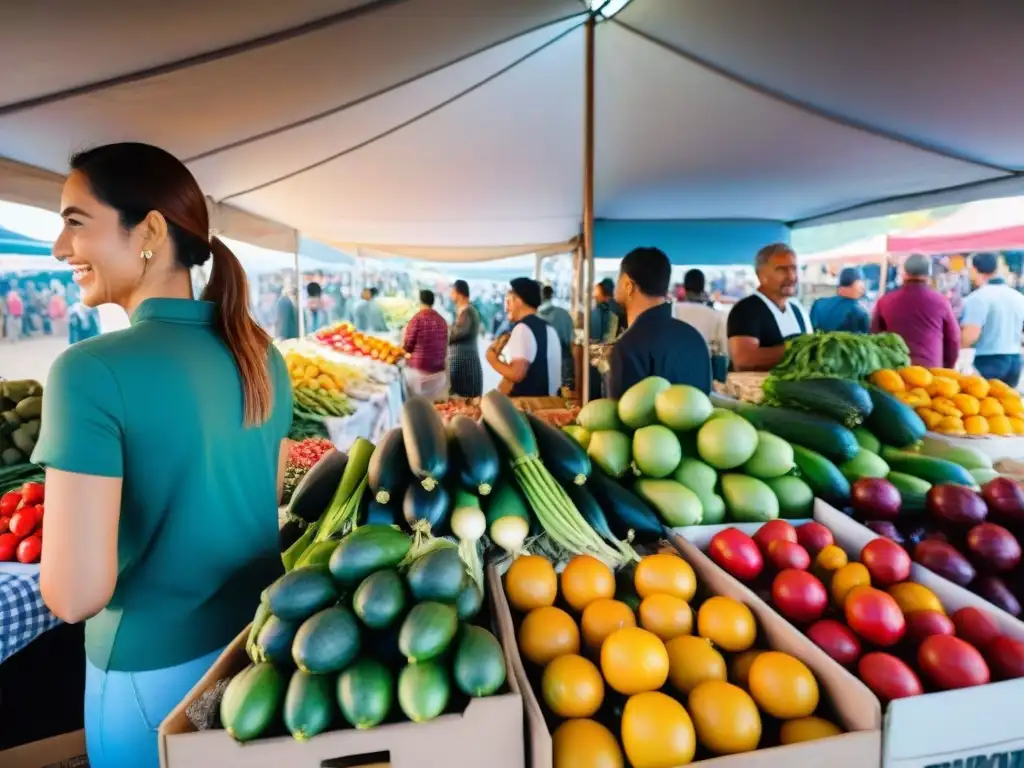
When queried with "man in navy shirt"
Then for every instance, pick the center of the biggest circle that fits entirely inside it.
(843, 312)
(655, 343)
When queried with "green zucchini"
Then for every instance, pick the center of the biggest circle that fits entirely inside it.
(366, 693)
(473, 455)
(865, 464)
(367, 549)
(315, 490)
(300, 593)
(274, 642)
(966, 457)
(913, 491)
(252, 701)
(564, 457)
(509, 425)
(893, 422)
(427, 631)
(388, 472)
(868, 440)
(819, 434)
(840, 399)
(327, 641)
(935, 471)
(426, 444)
(629, 518)
(309, 704)
(822, 476)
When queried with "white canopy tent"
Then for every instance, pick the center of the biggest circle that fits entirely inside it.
(454, 129)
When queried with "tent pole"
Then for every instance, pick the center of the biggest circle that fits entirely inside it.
(536, 267)
(298, 292)
(587, 262)
(883, 279)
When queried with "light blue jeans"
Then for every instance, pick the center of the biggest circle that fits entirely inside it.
(124, 709)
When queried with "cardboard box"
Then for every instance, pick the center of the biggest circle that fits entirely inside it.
(979, 726)
(64, 751)
(489, 731)
(855, 706)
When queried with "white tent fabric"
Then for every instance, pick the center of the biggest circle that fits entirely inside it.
(453, 129)
(866, 249)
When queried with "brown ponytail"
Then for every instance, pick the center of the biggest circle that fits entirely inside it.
(228, 289)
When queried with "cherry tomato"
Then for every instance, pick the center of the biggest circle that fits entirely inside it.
(9, 502)
(5, 523)
(24, 522)
(32, 493)
(8, 544)
(39, 513)
(30, 549)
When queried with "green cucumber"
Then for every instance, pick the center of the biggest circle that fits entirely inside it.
(274, 642)
(252, 701)
(427, 631)
(839, 399)
(300, 593)
(864, 464)
(509, 425)
(380, 599)
(867, 440)
(817, 433)
(565, 459)
(823, 477)
(437, 576)
(423, 691)
(796, 499)
(327, 642)
(426, 444)
(913, 491)
(893, 422)
(479, 665)
(967, 457)
(388, 472)
(473, 455)
(368, 549)
(471, 600)
(309, 704)
(935, 471)
(366, 693)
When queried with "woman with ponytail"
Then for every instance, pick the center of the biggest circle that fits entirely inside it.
(163, 444)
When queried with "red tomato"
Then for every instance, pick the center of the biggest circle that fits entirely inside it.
(30, 549)
(24, 522)
(32, 493)
(975, 626)
(39, 513)
(1005, 657)
(9, 502)
(950, 662)
(814, 537)
(835, 639)
(799, 596)
(8, 544)
(5, 523)
(783, 554)
(874, 615)
(886, 561)
(888, 677)
(737, 553)
(774, 530)
(924, 624)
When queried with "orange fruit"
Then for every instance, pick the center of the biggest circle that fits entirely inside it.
(634, 660)
(547, 633)
(601, 618)
(530, 582)
(911, 597)
(1000, 425)
(665, 574)
(725, 718)
(691, 661)
(572, 686)
(783, 686)
(807, 729)
(739, 668)
(657, 732)
(585, 744)
(846, 578)
(586, 579)
(727, 623)
(666, 616)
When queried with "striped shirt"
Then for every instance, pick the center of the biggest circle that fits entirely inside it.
(426, 340)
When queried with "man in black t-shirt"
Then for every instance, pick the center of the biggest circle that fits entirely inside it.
(759, 324)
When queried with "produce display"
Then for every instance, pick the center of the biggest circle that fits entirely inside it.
(893, 633)
(344, 338)
(556, 417)
(642, 665)
(302, 457)
(840, 355)
(21, 406)
(21, 524)
(373, 632)
(953, 404)
(398, 311)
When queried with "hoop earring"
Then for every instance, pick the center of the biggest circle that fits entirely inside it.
(147, 255)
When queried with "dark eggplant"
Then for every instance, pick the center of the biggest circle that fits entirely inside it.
(472, 455)
(943, 559)
(388, 473)
(587, 505)
(289, 533)
(564, 458)
(429, 509)
(382, 514)
(315, 490)
(629, 518)
(426, 442)
(994, 589)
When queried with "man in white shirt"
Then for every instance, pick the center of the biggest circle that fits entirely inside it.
(531, 362)
(698, 310)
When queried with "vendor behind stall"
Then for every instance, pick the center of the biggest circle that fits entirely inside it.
(530, 363)
(655, 343)
(760, 324)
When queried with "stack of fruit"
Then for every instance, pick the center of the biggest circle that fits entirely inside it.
(316, 372)
(953, 404)
(866, 614)
(972, 539)
(640, 664)
(344, 338)
(21, 524)
(21, 405)
(373, 627)
(692, 463)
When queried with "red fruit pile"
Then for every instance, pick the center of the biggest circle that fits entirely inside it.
(21, 524)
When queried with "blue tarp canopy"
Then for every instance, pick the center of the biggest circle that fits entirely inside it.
(13, 244)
